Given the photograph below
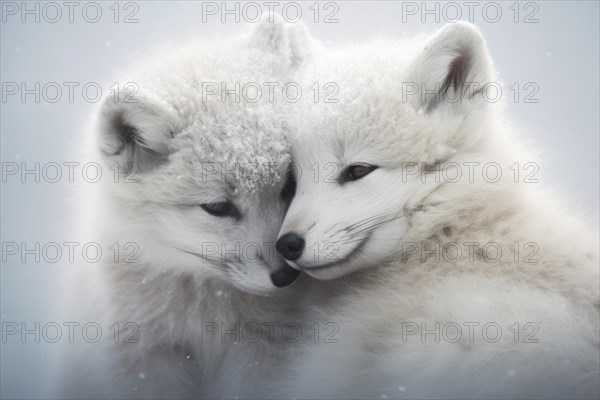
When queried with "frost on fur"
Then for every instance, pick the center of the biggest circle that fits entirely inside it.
(184, 157)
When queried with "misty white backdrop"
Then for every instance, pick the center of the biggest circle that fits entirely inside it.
(552, 44)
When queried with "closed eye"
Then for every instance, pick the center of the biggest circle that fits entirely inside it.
(221, 209)
(355, 172)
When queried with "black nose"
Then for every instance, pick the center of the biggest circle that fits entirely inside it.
(284, 277)
(290, 246)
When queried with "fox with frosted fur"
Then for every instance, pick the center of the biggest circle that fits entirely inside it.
(201, 192)
(376, 221)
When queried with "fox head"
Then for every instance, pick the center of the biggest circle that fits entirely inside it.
(397, 112)
(202, 182)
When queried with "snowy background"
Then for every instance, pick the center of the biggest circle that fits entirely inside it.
(559, 53)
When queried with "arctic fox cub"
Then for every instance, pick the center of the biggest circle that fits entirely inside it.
(202, 193)
(461, 280)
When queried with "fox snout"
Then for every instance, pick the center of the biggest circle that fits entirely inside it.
(285, 276)
(290, 246)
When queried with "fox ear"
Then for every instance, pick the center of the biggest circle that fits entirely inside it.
(452, 70)
(291, 42)
(134, 131)
(302, 45)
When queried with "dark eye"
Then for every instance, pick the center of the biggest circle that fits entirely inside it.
(289, 190)
(356, 171)
(221, 209)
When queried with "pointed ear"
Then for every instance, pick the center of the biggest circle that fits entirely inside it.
(452, 70)
(134, 131)
(291, 42)
(302, 44)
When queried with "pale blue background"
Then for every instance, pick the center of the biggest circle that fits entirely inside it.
(560, 53)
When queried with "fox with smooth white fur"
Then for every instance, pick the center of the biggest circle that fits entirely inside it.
(459, 280)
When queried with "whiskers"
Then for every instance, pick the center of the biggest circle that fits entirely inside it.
(217, 262)
(357, 231)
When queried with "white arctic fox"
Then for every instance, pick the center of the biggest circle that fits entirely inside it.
(450, 275)
(200, 197)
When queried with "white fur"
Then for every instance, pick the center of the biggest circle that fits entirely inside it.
(388, 288)
(367, 297)
(168, 132)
